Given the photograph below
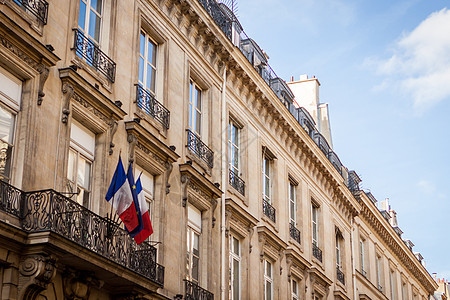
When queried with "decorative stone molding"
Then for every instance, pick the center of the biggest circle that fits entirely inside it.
(43, 71)
(112, 132)
(132, 142)
(19, 53)
(169, 168)
(78, 285)
(68, 91)
(36, 272)
(184, 185)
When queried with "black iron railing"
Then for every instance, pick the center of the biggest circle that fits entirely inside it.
(49, 210)
(236, 182)
(294, 232)
(335, 161)
(222, 20)
(95, 57)
(317, 253)
(200, 149)
(38, 8)
(10, 199)
(147, 102)
(192, 291)
(269, 210)
(340, 275)
(322, 143)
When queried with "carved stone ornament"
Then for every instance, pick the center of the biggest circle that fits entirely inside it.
(132, 141)
(78, 285)
(262, 241)
(68, 91)
(36, 272)
(169, 168)
(44, 71)
(184, 185)
(251, 230)
(214, 206)
(112, 132)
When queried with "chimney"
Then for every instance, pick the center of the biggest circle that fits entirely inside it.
(384, 204)
(434, 276)
(303, 77)
(393, 214)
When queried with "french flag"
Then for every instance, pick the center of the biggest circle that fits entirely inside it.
(147, 229)
(122, 198)
(134, 193)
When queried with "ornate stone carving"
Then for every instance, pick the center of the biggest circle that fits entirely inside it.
(251, 230)
(77, 285)
(44, 71)
(169, 168)
(92, 109)
(132, 141)
(112, 132)
(68, 92)
(36, 272)
(262, 241)
(184, 185)
(19, 53)
(214, 206)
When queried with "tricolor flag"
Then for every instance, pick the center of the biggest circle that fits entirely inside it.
(119, 192)
(147, 229)
(134, 193)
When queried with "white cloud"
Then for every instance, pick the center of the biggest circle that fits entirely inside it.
(420, 63)
(426, 187)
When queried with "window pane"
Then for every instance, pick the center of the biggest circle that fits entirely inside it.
(71, 166)
(268, 291)
(97, 5)
(268, 269)
(142, 44)
(198, 97)
(6, 125)
(236, 157)
(236, 246)
(195, 268)
(190, 115)
(149, 77)
(82, 15)
(235, 279)
(141, 70)
(195, 246)
(198, 120)
(292, 210)
(153, 83)
(94, 26)
(151, 56)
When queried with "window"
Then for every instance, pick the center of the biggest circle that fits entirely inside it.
(234, 151)
(379, 270)
(81, 158)
(194, 230)
(338, 252)
(362, 256)
(10, 100)
(404, 291)
(147, 63)
(292, 204)
(392, 283)
(90, 18)
(195, 108)
(294, 290)
(235, 269)
(268, 281)
(148, 186)
(266, 179)
(315, 225)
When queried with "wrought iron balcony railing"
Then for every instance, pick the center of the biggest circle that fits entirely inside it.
(236, 182)
(193, 291)
(38, 8)
(10, 199)
(269, 210)
(335, 161)
(322, 143)
(95, 57)
(200, 149)
(151, 106)
(222, 20)
(294, 232)
(317, 253)
(49, 210)
(340, 275)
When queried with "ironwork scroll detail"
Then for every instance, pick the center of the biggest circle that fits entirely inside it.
(294, 232)
(236, 182)
(38, 8)
(148, 103)
(269, 210)
(317, 253)
(194, 292)
(200, 149)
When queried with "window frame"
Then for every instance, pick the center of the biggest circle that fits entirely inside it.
(294, 292)
(193, 87)
(146, 62)
(268, 279)
(338, 252)
(315, 221)
(85, 28)
(234, 145)
(292, 201)
(235, 257)
(266, 172)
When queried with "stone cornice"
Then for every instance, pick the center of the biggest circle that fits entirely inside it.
(381, 226)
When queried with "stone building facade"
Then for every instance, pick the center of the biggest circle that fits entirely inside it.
(247, 199)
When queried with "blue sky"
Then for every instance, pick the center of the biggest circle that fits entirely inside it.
(384, 69)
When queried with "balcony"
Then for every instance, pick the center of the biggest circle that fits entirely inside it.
(95, 57)
(340, 275)
(38, 8)
(322, 143)
(50, 211)
(306, 121)
(269, 210)
(200, 149)
(219, 16)
(236, 182)
(192, 291)
(294, 232)
(317, 253)
(148, 103)
(335, 161)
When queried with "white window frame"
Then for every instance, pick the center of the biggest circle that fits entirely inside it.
(85, 28)
(294, 289)
(87, 155)
(338, 252)
(362, 255)
(234, 144)
(235, 257)
(194, 108)
(193, 229)
(266, 180)
(315, 224)
(268, 279)
(292, 203)
(392, 283)
(378, 269)
(404, 291)
(147, 62)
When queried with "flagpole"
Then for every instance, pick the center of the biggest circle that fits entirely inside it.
(111, 218)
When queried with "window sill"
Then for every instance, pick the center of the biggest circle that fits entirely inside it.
(83, 65)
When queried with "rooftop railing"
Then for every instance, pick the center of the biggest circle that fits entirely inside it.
(50, 211)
